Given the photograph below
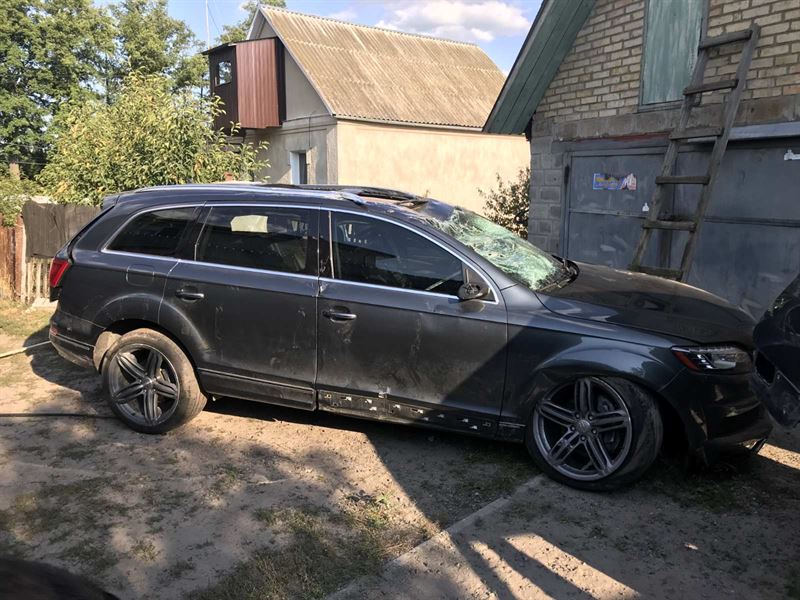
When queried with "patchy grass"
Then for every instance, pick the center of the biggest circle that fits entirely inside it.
(18, 320)
(178, 570)
(722, 489)
(92, 557)
(325, 550)
(144, 550)
(53, 508)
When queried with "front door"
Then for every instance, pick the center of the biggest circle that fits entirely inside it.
(395, 342)
(249, 286)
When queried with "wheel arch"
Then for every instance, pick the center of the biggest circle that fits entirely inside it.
(640, 368)
(117, 329)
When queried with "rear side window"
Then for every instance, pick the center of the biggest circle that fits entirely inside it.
(257, 237)
(371, 251)
(156, 232)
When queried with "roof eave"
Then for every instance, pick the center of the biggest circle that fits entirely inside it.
(537, 62)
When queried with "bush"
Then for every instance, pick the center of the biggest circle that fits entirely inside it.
(508, 205)
(13, 194)
(149, 136)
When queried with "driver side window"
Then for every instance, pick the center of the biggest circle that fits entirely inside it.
(367, 250)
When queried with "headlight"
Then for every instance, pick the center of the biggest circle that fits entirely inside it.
(714, 358)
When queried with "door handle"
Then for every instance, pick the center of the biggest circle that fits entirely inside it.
(338, 316)
(189, 294)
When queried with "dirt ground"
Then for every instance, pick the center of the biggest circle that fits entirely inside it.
(253, 501)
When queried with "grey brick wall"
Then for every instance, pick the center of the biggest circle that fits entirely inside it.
(595, 91)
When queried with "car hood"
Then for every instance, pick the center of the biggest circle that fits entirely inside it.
(650, 303)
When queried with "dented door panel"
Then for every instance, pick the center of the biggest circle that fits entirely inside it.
(415, 350)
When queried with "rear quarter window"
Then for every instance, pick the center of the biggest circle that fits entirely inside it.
(156, 232)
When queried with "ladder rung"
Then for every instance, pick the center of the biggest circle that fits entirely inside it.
(681, 179)
(700, 132)
(725, 84)
(728, 38)
(660, 272)
(676, 225)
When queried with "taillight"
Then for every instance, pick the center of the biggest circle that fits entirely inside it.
(58, 267)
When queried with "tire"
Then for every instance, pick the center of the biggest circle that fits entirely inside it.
(623, 418)
(150, 383)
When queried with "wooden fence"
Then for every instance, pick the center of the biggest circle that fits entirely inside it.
(26, 249)
(12, 260)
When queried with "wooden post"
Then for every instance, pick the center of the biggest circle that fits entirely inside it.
(19, 260)
(13, 170)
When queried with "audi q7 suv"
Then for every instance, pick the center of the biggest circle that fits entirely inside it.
(379, 304)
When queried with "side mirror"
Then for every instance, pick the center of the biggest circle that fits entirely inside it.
(472, 291)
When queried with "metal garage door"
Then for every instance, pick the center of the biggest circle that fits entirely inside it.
(749, 246)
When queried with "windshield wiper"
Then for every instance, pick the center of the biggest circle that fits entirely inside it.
(559, 279)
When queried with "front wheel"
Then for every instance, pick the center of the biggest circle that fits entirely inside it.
(595, 433)
(150, 383)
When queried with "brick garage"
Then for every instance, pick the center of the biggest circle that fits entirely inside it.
(578, 91)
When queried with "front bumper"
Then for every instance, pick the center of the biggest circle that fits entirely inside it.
(720, 413)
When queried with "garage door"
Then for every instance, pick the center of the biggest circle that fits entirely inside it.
(749, 246)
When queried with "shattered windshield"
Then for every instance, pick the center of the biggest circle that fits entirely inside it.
(516, 257)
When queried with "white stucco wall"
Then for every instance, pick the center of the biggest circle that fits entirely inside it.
(450, 165)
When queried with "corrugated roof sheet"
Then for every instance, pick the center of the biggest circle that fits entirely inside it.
(369, 73)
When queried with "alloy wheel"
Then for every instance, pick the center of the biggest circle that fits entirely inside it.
(583, 429)
(143, 384)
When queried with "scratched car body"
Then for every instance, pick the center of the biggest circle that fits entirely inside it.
(379, 304)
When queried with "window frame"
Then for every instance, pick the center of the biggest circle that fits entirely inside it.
(653, 106)
(327, 272)
(312, 261)
(298, 165)
(217, 79)
(179, 248)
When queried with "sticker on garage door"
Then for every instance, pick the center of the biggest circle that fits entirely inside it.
(605, 181)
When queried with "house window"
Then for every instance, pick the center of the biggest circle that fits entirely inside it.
(224, 72)
(298, 163)
(672, 34)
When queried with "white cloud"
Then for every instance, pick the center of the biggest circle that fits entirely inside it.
(347, 14)
(465, 20)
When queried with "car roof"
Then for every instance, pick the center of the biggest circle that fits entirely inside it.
(351, 193)
(371, 198)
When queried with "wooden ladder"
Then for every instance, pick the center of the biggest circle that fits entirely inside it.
(683, 135)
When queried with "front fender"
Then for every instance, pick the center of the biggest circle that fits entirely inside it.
(640, 364)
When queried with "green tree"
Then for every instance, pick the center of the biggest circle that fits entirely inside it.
(238, 31)
(149, 41)
(150, 135)
(508, 205)
(50, 51)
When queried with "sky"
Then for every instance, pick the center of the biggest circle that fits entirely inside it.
(497, 26)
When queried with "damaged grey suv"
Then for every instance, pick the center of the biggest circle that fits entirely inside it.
(385, 305)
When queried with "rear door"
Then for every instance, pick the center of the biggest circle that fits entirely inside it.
(395, 342)
(248, 286)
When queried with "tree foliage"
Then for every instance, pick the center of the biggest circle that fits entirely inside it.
(13, 194)
(57, 51)
(50, 51)
(149, 41)
(508, 205)
(238, 31)
(150, 135)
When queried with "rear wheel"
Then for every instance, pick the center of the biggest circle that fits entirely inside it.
(150, 383)
(595, 433)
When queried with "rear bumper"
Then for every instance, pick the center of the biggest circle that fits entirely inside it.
(74, 351)
(721, 413)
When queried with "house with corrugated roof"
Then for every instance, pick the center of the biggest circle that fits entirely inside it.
(340, 103)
